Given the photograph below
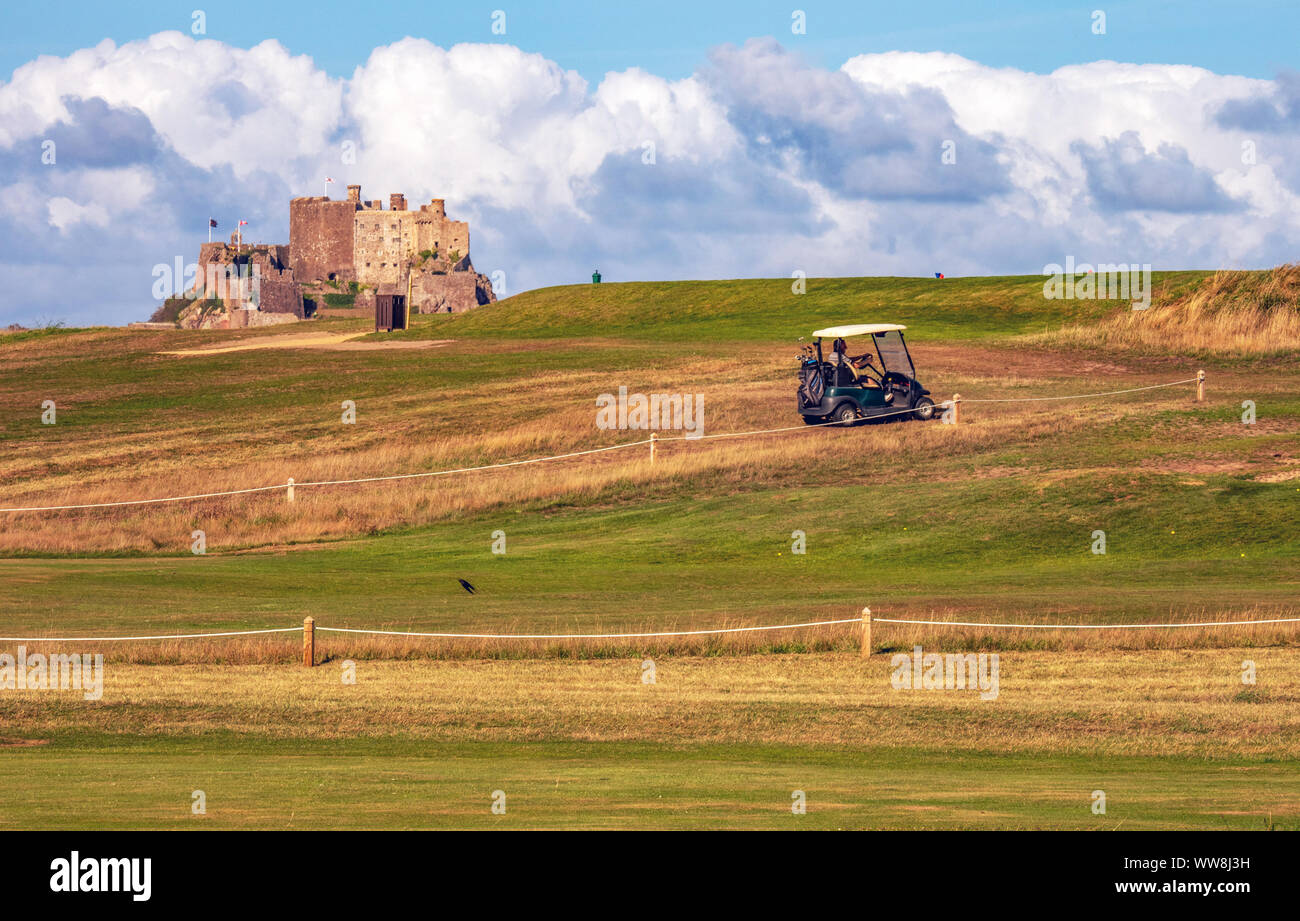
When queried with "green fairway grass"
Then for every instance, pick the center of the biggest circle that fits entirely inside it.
(363, 784)
(690, 562)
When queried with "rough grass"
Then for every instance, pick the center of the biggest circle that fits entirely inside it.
(1228, 313)
(1057, 702)
(261, 431)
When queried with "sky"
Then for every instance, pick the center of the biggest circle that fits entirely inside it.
(700, 140)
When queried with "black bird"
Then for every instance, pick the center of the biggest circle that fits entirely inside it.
(466, 586)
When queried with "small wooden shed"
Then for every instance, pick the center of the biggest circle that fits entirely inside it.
(390, 312)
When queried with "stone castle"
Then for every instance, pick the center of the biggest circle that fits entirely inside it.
(346, 247)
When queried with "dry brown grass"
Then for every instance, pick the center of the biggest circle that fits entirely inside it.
(334, 512)
(1229, 313)
(1099, 702)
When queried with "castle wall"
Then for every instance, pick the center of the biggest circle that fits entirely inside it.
(383, 242)
(278, 292)
(321, 238)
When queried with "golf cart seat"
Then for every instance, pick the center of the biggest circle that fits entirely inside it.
(843, 375)
(840, 375)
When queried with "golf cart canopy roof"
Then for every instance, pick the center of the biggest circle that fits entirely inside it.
(860, 329)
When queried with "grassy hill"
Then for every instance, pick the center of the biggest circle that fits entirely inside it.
(992, 520)
(752, 310)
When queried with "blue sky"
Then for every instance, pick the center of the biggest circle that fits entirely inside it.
(670, 38)
(678, 141)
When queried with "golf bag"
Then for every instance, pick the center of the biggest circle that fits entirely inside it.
(811, 382)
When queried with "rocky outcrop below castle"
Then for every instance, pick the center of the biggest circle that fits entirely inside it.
(451, 293)
(218, 315)
(443, 286)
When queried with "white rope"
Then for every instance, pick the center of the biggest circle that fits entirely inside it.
(552, 457)
(1212, 623)
(1081, 396)
(372, 479)
(518, 463)
(205, 495)
(589, 636)
(115, 639)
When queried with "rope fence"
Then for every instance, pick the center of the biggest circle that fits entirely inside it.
(1211, 623)
(119, 639)
(952, 406)
(865, 622)
(592, 636)
(1084, 396)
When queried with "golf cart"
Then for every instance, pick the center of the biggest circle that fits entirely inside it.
(836, 387)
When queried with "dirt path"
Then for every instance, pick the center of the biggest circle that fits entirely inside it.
(338, 342)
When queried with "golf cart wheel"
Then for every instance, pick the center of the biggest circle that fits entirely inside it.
(845, 414)
(924, 410)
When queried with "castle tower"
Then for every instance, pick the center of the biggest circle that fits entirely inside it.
(321, 235)
(397, 202)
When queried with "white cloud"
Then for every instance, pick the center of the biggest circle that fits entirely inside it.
(64, 213)
(214, 104)
(763, 163)
(474, 121)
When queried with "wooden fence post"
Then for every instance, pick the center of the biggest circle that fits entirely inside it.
(1200, 386)
(654, 436)
(309, 641)
(956, 408)
(289, 486)
(866, 632)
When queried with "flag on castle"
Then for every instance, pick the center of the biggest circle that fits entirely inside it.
(212, 222)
